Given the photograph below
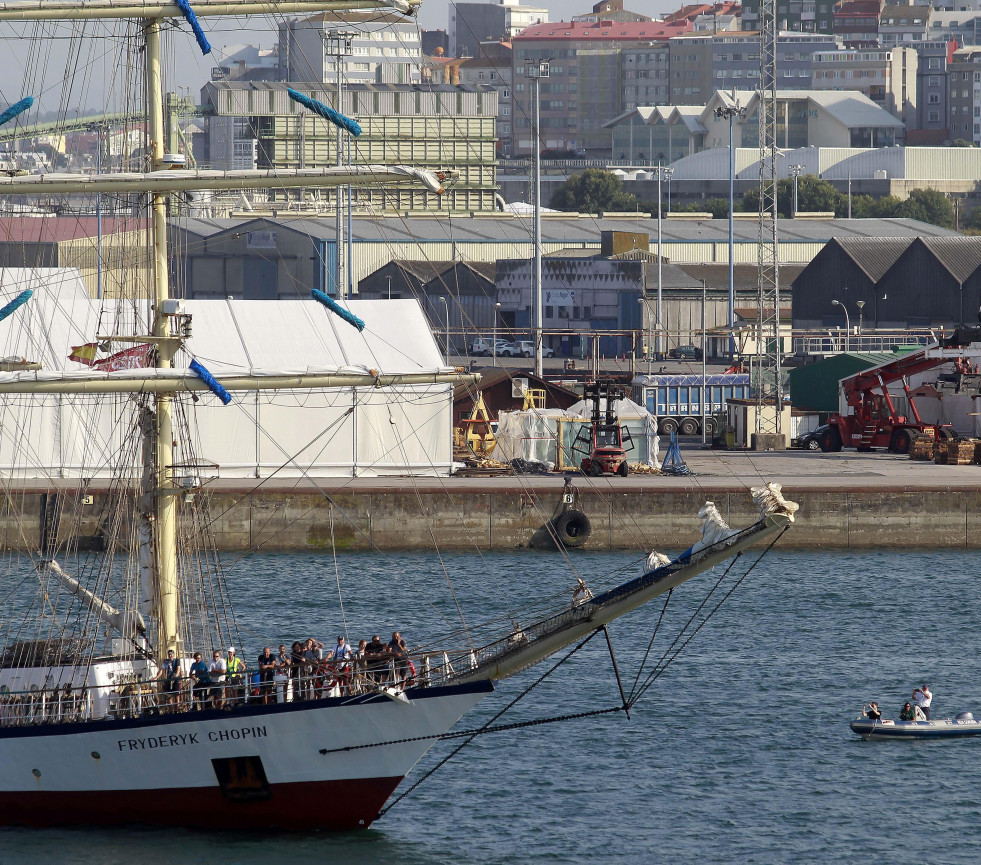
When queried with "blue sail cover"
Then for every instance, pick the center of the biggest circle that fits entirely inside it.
(211, 382)
(327, 113)
(16, 303)
(15, 109)
(192, 19)
(336, 308)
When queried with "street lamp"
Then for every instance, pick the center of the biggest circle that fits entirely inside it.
(645, 306)
(667, 173)
(728, 112)
(536, 70)
(861, 305)
(443, 301)
(848, 327)
(497, 310)
(795, 171)
(339, 44)
(389, 287)
(662, 173)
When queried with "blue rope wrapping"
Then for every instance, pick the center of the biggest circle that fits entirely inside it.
(330, 114)
(192, 19)
(15, 109)
(211, 382)
(16, 303)
(335, 307)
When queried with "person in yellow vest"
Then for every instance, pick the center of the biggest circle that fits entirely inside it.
(235, 690)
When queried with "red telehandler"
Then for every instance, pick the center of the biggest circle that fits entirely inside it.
(875, 422)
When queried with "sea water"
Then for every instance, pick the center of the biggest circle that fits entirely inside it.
(739, 752)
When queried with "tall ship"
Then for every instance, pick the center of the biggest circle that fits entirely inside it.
(103, 719)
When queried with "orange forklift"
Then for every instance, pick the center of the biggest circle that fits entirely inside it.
(604, 442)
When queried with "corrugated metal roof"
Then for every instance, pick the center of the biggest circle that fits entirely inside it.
(54, 229)
(580, 229)
(874, 255)
(961, 256)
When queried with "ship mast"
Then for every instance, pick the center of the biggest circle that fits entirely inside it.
(165, 504)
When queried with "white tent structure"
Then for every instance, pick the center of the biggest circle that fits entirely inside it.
(353, 431)
(538, 433)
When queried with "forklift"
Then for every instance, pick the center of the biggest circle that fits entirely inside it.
(604, 442)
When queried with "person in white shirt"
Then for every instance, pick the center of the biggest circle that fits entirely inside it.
(217, 668)
(923, 697)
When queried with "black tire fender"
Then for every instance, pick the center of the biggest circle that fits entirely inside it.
(573, 528)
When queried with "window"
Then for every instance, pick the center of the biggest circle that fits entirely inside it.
(933, 116)
(933, 98)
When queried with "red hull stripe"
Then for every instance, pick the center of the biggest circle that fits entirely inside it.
(330, 805)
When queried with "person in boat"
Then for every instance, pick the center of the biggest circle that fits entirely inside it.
(201, 683)
(340, 665)
(923, 697)
(907, 713)
(296, 670)
(376, 659)
(399, 654)
(170, 680)
(873, 713)
(282, 676)
(267, 672)
(313, 656)
(217, 670)
(235, 691)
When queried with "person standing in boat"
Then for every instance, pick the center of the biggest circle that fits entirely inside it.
(923, 697)
(236, 678)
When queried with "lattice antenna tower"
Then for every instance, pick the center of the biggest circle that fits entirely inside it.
(768, 359)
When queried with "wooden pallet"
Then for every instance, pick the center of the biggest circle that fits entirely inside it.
(921, 448)
(960, 452)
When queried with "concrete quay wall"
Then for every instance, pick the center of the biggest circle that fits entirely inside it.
(627, 520)
(847, 500)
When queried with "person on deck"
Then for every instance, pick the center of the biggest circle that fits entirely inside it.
(216, 670)
(267, 672)
(235, 692)
(201, 687)
(873, 712)
(399, 654)
(282, 676)
(923, 697)
(907, 713)
(340, 662)
(376, 658)
(296, 671)
(313, 655)
(170, 681)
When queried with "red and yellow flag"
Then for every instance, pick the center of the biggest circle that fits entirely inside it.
(84, 353)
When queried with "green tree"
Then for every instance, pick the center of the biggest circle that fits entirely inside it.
(973, 220)
(815, 195)
(593, 191)
(929, 205)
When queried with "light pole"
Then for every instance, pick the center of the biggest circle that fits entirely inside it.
(389, 287)
(662, 173)
(848, 327)
(795, 171)
(338, 44)
(445, 304)
(536, 70)
(729, 112)
(705, 390)
(648, 353)
(861, 305)
(497, 308)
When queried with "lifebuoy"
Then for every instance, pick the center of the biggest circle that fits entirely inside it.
(573, 528)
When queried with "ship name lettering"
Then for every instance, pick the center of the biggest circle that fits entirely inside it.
(154, 742)
(239, 733)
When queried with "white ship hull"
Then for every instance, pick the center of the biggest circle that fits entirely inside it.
(258, 767)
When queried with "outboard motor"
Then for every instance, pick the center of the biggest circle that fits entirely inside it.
(964, 717)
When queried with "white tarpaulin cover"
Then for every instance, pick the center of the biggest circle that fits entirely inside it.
(323, 433)
(534, 435)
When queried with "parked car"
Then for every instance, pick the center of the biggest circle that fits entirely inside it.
(526, 348)
(810, 441)
(686, 352)
(485, 347)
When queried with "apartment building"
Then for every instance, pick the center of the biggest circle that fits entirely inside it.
(856, 22)
(886, 76)
(932, 87)
(964, 76)
(904, 25)
(645, 75)
(473, 23)
(493, 68)
(690, 67)
(736, 59)
(585, 84)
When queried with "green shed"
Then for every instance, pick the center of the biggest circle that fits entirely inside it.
(814, 386)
